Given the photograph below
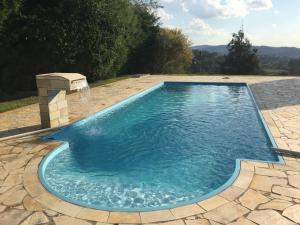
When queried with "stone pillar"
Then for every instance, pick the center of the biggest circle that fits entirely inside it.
(53, 107)
(52, 90)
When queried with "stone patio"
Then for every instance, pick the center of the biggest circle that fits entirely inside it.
(263, 193)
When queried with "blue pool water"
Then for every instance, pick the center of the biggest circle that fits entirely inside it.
(167, 148)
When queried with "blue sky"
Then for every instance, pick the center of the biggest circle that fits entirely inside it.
(266, 22)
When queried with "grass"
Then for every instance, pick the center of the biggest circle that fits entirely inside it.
(108, 81)
(14, 104)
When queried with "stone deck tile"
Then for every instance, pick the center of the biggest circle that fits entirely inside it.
(197, 222)
(269, 172)
(247, 166)
(65, 208)
(268, 217)
(31, 205)
(156, 216)
(244, 179)
(93, 215)
(286, 191)
(212, 202)
(185, 211)
(226, 213)
(36, 218)
(174, 222)
(124, 217)
(264, 183)
(293, 213)
(232, 193)
(13, 216)
(294, 180)
(242, 221)
(65, 220)
(276, 204)
(47, 200)
(251, 199)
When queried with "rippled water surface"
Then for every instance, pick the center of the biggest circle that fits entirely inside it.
(167, 148)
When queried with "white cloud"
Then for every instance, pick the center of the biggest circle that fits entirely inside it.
(220, 8)
(198, 26)
(200, 32)
(163, 15)
(259, 4)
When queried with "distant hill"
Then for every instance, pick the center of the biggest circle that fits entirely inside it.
(282, 52)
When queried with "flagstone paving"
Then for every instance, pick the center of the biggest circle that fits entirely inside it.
(263, 193)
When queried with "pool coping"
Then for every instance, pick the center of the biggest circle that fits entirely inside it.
(241, 178)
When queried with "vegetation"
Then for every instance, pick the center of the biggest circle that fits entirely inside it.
(86, 36)
(98, 38)
(14, 104)
(241, 58)
(8, 7)
(206, 62)
(172, 52)
(294, 66)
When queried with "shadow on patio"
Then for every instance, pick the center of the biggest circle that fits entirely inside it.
(276, 94)
(15, 131)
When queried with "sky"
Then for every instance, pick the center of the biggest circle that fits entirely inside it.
(265, 22)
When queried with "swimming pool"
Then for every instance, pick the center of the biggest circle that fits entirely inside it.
(171, 145)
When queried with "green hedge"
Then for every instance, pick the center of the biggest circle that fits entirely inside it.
(98, 38)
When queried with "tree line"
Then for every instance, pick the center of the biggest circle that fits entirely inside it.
(98, 38)
(242, 58)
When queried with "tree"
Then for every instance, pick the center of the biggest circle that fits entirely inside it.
(172, 52)
(8, 7)
(294, 66)
(206, 62)
(141, 53)
(242, 58)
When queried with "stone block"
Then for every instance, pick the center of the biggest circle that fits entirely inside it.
(54, 115)
(63, 121)
(59, 84)
(62, 104)
(44, 108)
(43, 92)
(53, 107)
(43, 83)
(54, 123)
(45, 116)
(43, 100)
(64, 112)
